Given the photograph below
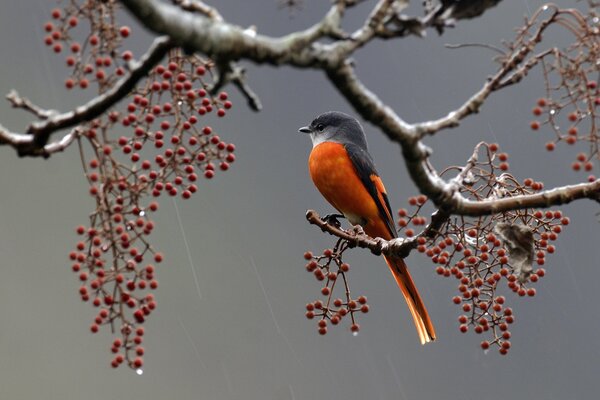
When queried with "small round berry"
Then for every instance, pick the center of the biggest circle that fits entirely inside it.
(125, 31)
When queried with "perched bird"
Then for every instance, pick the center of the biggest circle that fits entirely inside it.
(344, 172)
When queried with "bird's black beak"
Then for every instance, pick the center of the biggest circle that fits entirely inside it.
(305, 129)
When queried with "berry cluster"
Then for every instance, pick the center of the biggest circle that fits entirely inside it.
(481, 253)
(100, 56)
(161, 147)
(571, 105)
(330, 267)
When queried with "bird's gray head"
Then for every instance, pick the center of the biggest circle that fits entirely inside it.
(335, 126)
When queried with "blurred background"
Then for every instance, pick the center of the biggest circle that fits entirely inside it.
(241, 332)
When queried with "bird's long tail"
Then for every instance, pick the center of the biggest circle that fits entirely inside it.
(419, 313)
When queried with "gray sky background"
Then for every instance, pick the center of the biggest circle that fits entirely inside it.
(246, 337)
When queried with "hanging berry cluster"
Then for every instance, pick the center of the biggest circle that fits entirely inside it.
(153, 145)
(100, 56)
(331, 269)
(570, 107)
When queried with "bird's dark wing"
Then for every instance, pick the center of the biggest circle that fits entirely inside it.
(365, 168)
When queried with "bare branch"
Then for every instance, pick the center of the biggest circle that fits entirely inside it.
(231, 72)
(496, 82)
(547, 198)
(398, 247)
(25, 146)
(21, 102)
(224, 41)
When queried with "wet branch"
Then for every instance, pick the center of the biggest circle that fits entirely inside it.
(35, 141)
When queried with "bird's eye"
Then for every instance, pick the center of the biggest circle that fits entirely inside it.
(320, 127)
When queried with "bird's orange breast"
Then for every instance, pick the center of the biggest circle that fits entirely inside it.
(334, 175)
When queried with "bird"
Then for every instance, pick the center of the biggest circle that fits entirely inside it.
(343, 171)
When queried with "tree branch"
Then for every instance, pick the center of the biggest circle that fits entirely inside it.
(548, 198)
(399, 247)
(224, 41)
(34, 142)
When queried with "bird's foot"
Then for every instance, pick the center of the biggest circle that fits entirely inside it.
(332, 219)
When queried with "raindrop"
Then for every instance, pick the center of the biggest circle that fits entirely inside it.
(179, 102)
(354, 333)
(552, 111)
(142, 213)
(139, 371)
(486, 351)
(545, 8)
(129, 227)
(595, 20)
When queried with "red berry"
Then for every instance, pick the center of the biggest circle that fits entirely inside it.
(125, 31)
(535, 125)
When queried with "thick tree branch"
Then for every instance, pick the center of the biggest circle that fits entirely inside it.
(223, 41)
(25, 146)
(548, 198)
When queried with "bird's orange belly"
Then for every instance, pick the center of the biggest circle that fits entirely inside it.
(334, 175)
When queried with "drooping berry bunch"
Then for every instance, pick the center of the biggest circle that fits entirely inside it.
(487, 253)
(570, 107)
(330, 268)
(89, 33)
(153, 144)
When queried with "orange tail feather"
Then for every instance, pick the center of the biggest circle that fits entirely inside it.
(416, 306)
